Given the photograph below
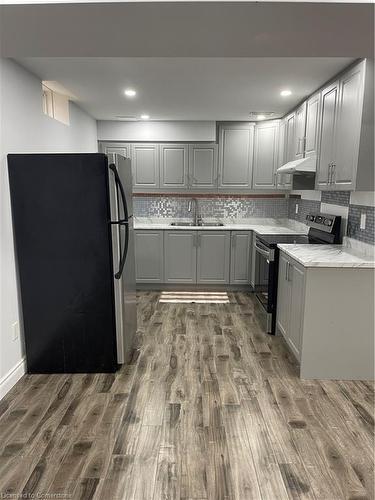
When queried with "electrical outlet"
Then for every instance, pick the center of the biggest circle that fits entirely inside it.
(297, 208)
(15, 331)
(363, 221)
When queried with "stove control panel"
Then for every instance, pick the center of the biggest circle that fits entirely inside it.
(324, 222)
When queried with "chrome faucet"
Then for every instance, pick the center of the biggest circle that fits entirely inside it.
(197, 217)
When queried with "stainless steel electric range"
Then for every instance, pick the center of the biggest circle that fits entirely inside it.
(323, 229)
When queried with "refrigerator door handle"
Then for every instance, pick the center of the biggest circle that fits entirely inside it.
(121, 222)
(124, 252)
(121, 189)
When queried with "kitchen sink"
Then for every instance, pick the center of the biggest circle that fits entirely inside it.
(200, 224)
(183, 224)
(211, 224)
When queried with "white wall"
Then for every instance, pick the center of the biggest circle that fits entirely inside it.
(188, 131)
(25, 129)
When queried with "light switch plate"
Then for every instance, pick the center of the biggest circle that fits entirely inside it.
(363, 221)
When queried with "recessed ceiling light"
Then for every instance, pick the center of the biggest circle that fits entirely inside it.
(145, 117)
(285, 93)
(261, 117)
(130, 93)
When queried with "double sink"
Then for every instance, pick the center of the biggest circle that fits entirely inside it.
(198, 224)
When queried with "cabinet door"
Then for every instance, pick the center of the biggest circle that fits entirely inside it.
(312, 125)
(110, 149)
(180, 256)
(145, 166)
(213, 257)
(284, 181)
(348, 128)
(203, 166)
(283, 296)
(235, 156)
(240, 257)
(266, 155)
(327, 135)
(290, 121)
(173, 166)
(300, 130)
(149, 256)
(294, 335)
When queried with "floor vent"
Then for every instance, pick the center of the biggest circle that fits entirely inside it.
(194, 297)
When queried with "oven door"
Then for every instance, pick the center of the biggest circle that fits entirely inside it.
(266, 287)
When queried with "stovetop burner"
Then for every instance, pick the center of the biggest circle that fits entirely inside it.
(323, 229)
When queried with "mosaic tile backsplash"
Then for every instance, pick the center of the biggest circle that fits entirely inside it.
(366, 235)
(226, 207)
(162, 206)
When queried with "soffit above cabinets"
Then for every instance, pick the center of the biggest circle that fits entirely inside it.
(219, 89)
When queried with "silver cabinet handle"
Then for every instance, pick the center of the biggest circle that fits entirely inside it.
(333, 173)
(198, 240)
(329, 173)
(234, 242)
(286, 270)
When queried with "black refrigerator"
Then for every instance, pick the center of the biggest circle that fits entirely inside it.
(73, 234)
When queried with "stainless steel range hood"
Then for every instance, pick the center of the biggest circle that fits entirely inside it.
(304, 165)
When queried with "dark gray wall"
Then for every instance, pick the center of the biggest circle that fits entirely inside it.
(200, 29)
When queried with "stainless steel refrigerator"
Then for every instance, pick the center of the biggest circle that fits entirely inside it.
(73, 233)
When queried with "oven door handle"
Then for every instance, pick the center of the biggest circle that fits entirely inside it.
(265, 253)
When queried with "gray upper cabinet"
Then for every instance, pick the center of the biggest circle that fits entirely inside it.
(213, 256)
(180, 256)
(113, 148)
(203, 166)
(312, 125)
(327, 134)
(235, 156)
(346, 159)
(173, 166)
(348, 128)
(145, 166)
(299, 132)
(266, 153)
(240, 265)
(290, 135)
(149, 256)
(284, 181)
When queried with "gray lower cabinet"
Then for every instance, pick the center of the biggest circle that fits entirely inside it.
(149, 263)
(235, 156)
(145, 167)
(180, 256)
(290, 301)
(174, 166)
(240, 257)
(203, 166)
(213, 257)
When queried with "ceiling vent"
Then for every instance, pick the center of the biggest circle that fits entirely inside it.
(265, 115)
(126, 118)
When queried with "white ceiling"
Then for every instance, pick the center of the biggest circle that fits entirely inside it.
(186, 88)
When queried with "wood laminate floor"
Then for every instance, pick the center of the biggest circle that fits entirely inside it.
(209, 408)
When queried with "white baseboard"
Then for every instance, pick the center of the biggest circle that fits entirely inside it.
(12, 377)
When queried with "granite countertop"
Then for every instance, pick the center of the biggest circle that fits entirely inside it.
(328, 256)
(258, 225)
